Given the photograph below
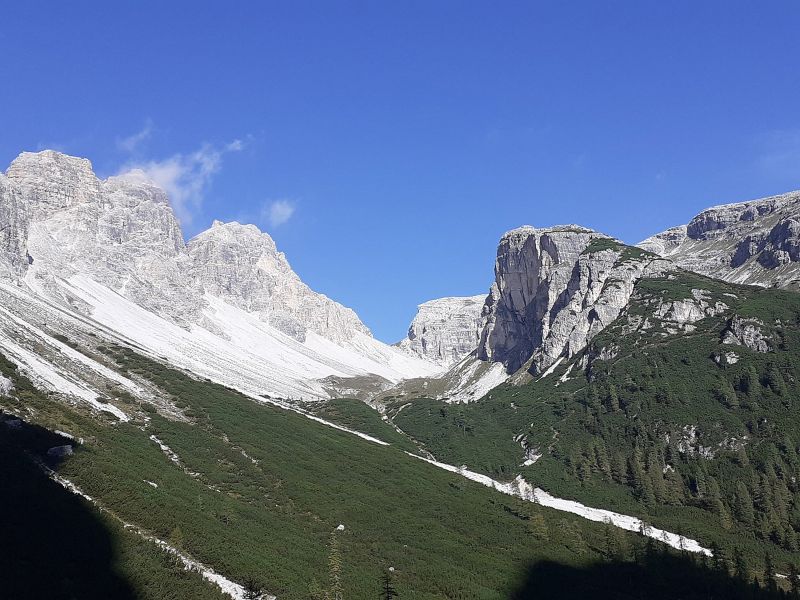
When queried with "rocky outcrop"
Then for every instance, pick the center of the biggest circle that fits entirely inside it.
(122, 232)
(445, 330)
(680, 315)
(554, 290)
(755, 242)
(242, 265)
(747, 333)
(6, 386)
(14, 226)
(53, 181)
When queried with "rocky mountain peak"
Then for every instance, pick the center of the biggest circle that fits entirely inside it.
(555, 288)
(53, 181)
(445, 330)
(242, 264)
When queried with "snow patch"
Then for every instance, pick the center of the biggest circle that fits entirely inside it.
(522, 489)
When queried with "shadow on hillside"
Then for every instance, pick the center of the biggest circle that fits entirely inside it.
(52, 545)
(662, 577)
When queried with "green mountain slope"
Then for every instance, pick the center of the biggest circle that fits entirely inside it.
(258, 490)
(656, 418)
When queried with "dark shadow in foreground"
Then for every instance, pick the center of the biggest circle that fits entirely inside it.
(656, 576)
(52, 544)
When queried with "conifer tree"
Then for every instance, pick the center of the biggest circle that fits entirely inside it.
(388, 592)
(336, 591)
(769, 574)
(743, 507)
(741, 570)
(794, 581)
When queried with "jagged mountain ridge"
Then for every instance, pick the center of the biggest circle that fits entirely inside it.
(755, 242)
(111, 254)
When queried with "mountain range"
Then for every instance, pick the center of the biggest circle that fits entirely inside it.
(569, 371)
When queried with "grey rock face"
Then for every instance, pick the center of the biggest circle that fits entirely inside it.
(748, 333)
(755, 242)
(680, 315)
(54, 181)
(14, 226)
(242, 265)
(6, 386)
(122, 233)
(554, 290)
(445, 330)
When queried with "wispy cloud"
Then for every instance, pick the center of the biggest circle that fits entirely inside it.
(277, 212)
(132, 143)
(184, 177)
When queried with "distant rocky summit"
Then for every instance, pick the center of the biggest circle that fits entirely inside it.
(755, 242)
(445, 330)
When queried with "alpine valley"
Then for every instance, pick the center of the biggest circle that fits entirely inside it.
(188, 419)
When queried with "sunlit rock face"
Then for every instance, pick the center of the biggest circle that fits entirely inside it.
(241, 264)
(227, 306)
(120, 232)
(445, 330)
(755, 242)
(554, 290)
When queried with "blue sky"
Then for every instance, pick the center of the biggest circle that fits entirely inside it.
(386, 146)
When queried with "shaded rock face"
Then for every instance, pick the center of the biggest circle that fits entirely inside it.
(14, 226)
(755, 242)
(554, 290)
(242, 265)
(445, 330)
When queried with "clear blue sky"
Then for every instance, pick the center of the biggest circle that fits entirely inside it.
(401, 139)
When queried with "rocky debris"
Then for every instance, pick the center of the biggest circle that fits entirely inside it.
(755, 242)
(445, 330)
(726, 358)
(6, 386)
(554, 290)
(748, 333)
(688, 442)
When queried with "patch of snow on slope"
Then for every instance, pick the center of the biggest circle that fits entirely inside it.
(552, 368)
(228, 587)
(522, 489)
(473, 387)
(246, 353)
(49, 377)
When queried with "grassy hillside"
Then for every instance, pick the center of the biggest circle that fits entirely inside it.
(259, 491)
(657, 421)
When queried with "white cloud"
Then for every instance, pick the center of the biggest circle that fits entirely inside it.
(183, 176)
(132, 142)
(278, 212)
